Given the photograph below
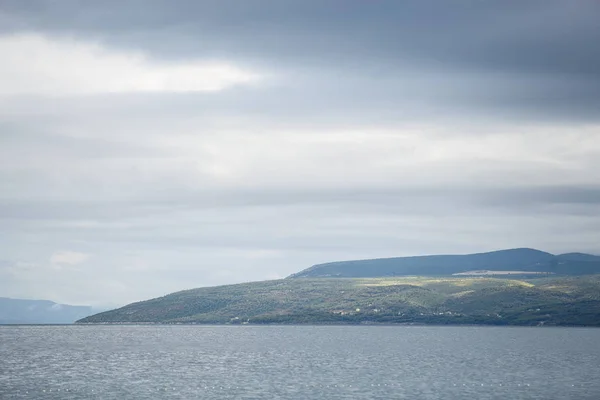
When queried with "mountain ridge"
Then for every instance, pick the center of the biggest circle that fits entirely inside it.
(520, 259)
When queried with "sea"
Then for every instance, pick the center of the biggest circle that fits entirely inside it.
(298, 362)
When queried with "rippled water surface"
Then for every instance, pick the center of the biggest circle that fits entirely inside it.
(293, 362)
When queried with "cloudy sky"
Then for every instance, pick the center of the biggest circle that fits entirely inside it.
(149, 146)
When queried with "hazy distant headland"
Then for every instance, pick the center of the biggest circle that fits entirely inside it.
(23, 311)
(508, 287)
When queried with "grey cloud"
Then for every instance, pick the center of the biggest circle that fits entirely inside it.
(539, 35)
(551, 36)
(249, 204)
(536, 196)
(313, 98)
(519, 60)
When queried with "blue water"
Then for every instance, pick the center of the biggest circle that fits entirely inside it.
(298, 362)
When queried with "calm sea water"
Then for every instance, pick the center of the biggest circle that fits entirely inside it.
(298, 362)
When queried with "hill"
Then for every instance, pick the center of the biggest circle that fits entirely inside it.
(20, 311)
(428, 300)
(515, 260)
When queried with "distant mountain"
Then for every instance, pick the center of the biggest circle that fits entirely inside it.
(515, 260)
(578, 257)
(19, 311)
(548, 300)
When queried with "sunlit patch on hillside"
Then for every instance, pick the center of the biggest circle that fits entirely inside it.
(446, 282)
(463, 293)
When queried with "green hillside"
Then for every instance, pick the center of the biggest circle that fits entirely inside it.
(432, 300)
(526, 260)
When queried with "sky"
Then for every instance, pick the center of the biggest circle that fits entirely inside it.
(151, 146)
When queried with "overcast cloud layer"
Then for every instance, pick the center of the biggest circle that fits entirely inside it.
(152, 146)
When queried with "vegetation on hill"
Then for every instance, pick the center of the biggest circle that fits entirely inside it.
(433, 300)
(528, 260)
